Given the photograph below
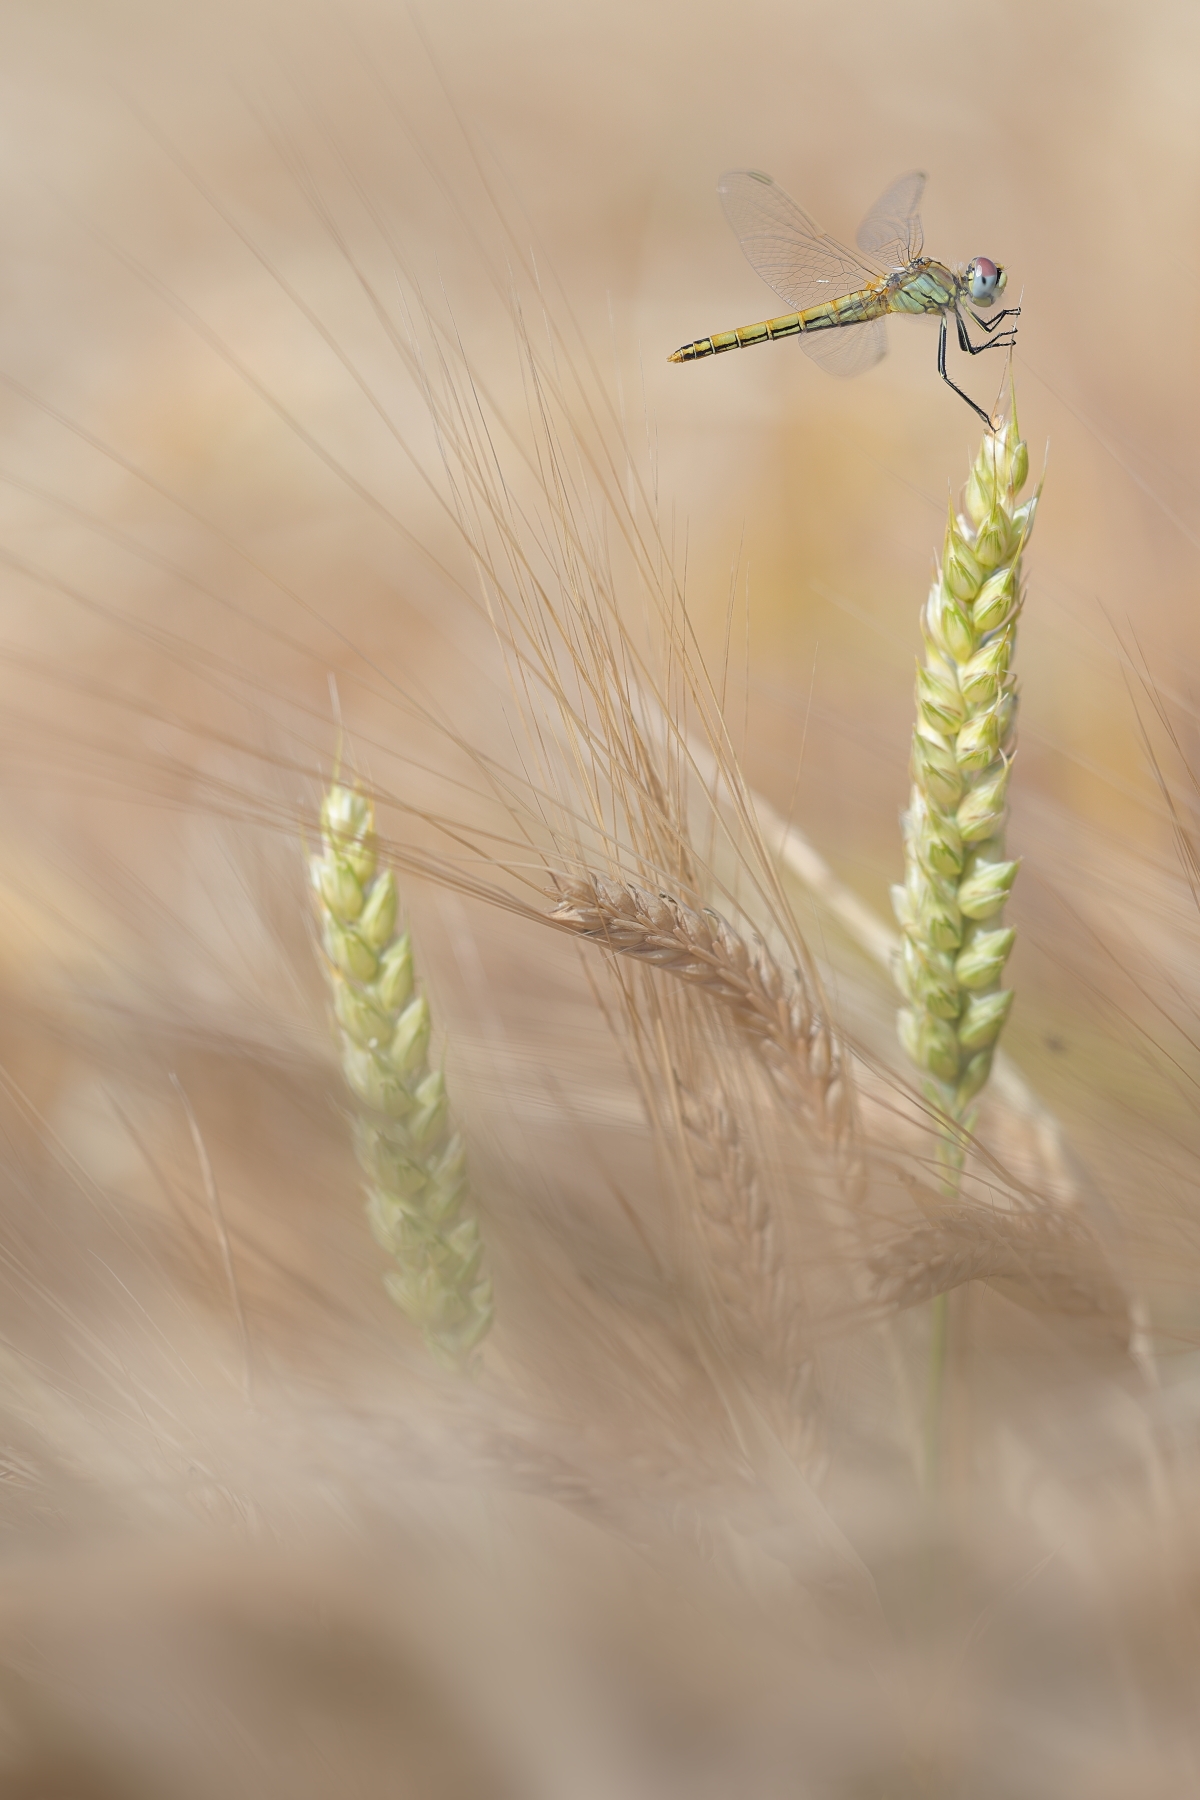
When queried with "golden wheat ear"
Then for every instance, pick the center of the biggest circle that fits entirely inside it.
(418, 1196)
(957, 876)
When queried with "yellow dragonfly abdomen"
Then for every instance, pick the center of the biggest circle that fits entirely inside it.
(924, 287)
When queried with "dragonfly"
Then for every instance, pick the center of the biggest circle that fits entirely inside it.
(833, 288)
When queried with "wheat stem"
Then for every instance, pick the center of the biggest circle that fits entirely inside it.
(939, 1333)
(418, 1199)
(950, 909)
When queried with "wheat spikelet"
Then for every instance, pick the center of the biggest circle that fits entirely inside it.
(418, 1199)
(957, 877)
(774, 1009)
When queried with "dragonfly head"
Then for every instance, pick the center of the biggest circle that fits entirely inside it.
(985, 279)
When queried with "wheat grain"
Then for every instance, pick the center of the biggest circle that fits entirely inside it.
(418, 1199)
(957, 877)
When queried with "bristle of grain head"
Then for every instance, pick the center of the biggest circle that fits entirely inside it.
(957, 876)
(418, 1197)
(775, 1008)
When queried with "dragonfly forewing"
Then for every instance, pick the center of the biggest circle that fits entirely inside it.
(781, 243)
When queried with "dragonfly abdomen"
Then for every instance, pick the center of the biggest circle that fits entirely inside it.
(786, 326)
(851, 309)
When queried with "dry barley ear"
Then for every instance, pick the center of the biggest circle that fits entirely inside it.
(775, 1011)
(1046, 1260)
(418, 1197)
(749, 1098)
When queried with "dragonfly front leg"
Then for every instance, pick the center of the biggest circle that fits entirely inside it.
(1005, 341)
(942, 368)
(989, 325)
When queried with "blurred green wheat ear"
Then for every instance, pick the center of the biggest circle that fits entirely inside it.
(957, 876)
(418, 1197)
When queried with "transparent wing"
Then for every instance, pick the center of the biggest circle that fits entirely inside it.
(847, 349)
(891, 231)
(781, 242)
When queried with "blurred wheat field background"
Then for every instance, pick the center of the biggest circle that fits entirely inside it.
(338, 424)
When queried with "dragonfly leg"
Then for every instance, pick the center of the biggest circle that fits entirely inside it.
(989, 325)
(1005, 341)
(941, 363)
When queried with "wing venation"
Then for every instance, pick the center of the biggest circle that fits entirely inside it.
(847, 349)
(891, 231)
(789, 250)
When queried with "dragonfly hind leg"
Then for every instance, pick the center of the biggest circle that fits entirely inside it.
(974, 349)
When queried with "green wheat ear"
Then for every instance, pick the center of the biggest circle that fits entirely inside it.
(957, 877)
(418, 1198)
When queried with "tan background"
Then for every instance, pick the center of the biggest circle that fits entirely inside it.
(217, 487)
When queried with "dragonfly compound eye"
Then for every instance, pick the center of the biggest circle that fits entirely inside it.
(985, 279)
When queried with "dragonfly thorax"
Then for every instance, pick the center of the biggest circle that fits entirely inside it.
(917, 266)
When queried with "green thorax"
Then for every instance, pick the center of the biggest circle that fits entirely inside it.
(924, 287)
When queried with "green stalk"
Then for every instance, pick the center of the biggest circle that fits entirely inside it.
(958, 877)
